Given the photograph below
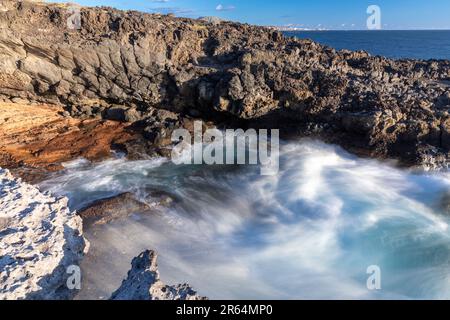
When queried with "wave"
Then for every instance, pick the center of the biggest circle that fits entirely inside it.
(309, 232)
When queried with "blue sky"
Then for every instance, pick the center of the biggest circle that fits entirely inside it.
(329, 14)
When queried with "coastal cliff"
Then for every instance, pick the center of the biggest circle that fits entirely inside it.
(124, 65)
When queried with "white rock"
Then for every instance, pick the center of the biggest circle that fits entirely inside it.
(39, 239)
(143, 283)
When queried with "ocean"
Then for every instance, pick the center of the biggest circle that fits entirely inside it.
(314, 231)
(423, 44)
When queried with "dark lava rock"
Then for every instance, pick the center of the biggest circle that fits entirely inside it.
(223, 73)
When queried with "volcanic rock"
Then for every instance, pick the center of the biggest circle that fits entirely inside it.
(41, 137)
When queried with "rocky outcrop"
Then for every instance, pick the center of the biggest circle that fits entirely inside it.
(40, 238)
(143, 283)
(124, 205)
(35, 139)
(113, 208)
(127, 65)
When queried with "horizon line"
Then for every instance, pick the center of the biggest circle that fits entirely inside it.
(321, 30)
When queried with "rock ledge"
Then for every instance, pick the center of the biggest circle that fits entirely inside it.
(39, 239)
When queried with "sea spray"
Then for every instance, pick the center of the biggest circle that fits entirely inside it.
(311, 231)
(214, 147)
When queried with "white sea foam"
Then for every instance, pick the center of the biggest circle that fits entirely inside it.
(309, 232)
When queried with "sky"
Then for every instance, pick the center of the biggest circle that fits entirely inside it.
(311, 14)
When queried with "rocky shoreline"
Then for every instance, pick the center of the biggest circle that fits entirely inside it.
(131, 66)
(40, 239)
(125, 80)
(37, 139)
(42, 245)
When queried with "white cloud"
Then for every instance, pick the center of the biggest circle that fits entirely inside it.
(174, 10)
(221, 7)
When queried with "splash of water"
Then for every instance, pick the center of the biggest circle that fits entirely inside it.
(309, 232)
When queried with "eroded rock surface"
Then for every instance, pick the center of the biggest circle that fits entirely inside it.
(125, 65)
(34, 137)
(143, 283)
(39, 239)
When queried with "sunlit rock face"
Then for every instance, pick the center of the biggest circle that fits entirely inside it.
(37, 138)
(224, 71)
(40, 240)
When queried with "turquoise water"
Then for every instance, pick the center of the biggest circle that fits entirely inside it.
(309, 232)
(423, 44)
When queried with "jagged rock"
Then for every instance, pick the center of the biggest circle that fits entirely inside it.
(223, 72)
(40, 136)
(143, 283)
(39, 239)
(116, 113)
(132, 115)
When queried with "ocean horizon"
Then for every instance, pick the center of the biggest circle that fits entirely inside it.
(396, 44)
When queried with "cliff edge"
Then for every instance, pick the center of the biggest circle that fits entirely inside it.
(102, 58)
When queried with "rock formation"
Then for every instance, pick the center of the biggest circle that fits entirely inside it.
(143, 283)
(35, 139)
(40, 238)
(128, 66)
